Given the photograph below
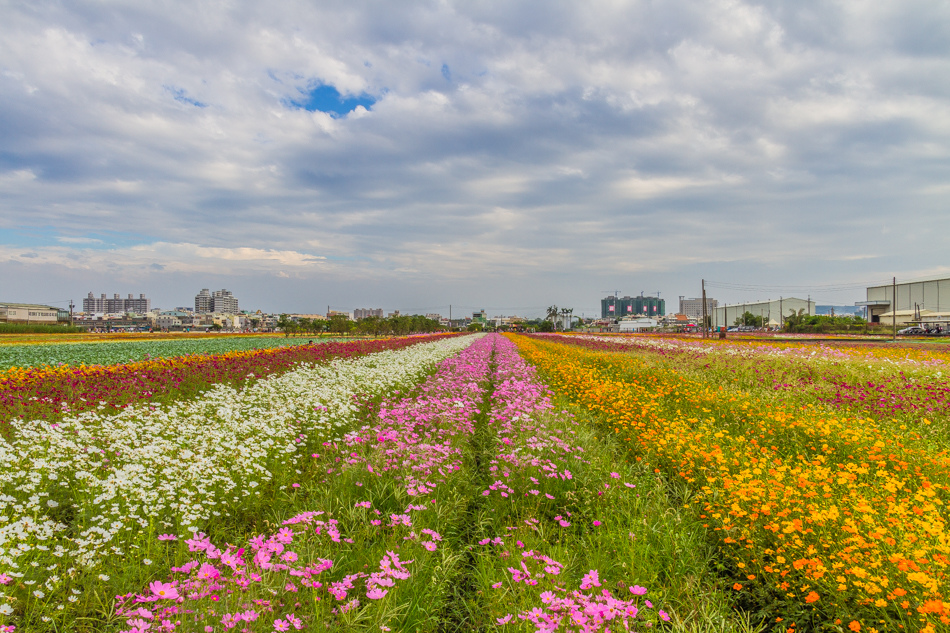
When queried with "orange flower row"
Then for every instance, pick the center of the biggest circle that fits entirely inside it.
(839, 514)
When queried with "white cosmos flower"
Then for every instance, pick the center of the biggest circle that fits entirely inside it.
(126, 472)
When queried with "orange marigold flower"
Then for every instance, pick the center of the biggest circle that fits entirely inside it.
(855, 625)
(812, 597)
(737, 586)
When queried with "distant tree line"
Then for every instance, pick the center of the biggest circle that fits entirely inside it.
(38, 328)
(370, 326)
(813, 323)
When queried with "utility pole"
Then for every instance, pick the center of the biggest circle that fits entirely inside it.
(70, 313)
(781, 315)
(704, 309)
(894, 306)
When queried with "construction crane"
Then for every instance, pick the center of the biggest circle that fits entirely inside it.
(616, 293)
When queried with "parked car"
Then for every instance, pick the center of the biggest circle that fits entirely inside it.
(912, 330)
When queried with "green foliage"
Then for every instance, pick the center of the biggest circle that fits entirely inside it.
(35, 328)
(749, 319)
(811, 323)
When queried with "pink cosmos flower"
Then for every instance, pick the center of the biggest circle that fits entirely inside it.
(208, 572)
(376, 593)
(637, 590)
(590, 580)
(597, 524)
(167, 537)
(281, 625)
(504, 620)
(164, 591)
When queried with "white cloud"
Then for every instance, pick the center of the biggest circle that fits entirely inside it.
(558, 139)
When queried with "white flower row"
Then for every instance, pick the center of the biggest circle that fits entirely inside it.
(74, 492)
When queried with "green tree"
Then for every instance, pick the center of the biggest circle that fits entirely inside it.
(340, 324)
(747, 318)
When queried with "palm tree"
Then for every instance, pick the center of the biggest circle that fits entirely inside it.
(552, 314)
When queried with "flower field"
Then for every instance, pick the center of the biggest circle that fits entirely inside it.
(432, 487)
(122, 350)
(483, 483)
(829, 513)
(50, 392)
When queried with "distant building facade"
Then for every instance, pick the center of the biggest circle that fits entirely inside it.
(773, 312)
(617, 307)
(203, 301)
(221, 301)
(693, 308)
(366, 313)
(28, 313)
(916, 296)
(115, 305)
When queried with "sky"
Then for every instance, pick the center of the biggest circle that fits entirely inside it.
(498, 155)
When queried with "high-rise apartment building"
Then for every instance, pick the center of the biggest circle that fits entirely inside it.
(617, 307)
(217, 301)
(203, 301)
(366, 313)
(693, 308)
(223, 301)
(115, 305)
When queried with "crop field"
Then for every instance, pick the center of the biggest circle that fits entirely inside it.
(121, 350)
(479, 483)
(821, 473)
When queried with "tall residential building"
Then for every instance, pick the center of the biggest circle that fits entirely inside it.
(617, 307)
(217, 301)
(203, 301)
(366, 313)
(116, 304)
(223, 301)
(693, 308)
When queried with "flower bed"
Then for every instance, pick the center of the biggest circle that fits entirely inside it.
(820, 516)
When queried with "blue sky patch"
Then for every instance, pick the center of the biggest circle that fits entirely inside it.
(328, 99)
(40, 236)
(181, 96)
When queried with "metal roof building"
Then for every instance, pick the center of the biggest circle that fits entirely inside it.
(773, 312)
(932, 295)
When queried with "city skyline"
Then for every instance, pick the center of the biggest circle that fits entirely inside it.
(506, 156)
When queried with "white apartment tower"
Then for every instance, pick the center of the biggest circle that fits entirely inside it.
(203, 301)
(217, 301)
(693, 308)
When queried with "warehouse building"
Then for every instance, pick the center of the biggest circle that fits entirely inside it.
(931, 298)
(28, 313)
(773, 312)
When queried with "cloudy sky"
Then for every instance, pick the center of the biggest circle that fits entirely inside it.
(505, 155)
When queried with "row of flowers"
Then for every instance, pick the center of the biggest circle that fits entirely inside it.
(51, 352)
(837, 516)
(80, 495)
(873, 382)
(388, 543)
(50, 392)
